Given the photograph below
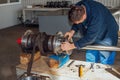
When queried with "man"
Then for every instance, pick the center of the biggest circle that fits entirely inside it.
(97, 25)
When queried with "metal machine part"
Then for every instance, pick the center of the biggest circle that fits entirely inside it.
(58, 4)
(30, 78)
(44, 42)
(33, 76)
(30, 43)
(51, 43)
(36, 78)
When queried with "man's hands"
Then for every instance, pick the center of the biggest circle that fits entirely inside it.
(66, 46)
(69, 34)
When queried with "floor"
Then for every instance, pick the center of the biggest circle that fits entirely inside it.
(9, 51)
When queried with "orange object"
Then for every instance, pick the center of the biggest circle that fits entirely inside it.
(25, 58)
(53, 63)
(80, 71)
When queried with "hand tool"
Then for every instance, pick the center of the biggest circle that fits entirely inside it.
(70, 63)
(92, 67)
(80, 70)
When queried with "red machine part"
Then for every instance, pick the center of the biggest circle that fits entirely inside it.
(19, 40)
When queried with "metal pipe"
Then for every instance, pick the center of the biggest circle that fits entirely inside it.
(116, 12)
(100, 47)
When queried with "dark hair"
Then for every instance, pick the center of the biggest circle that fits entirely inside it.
(76, 13)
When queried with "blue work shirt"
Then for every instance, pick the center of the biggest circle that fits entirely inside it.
(98, 27)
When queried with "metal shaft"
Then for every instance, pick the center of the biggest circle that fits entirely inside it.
(99, 47)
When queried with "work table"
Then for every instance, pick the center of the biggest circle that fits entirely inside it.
(98, 72)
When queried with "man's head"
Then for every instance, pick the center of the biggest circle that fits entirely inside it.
(77, 14)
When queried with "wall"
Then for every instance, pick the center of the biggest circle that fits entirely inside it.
(8, 15)
(111, 3)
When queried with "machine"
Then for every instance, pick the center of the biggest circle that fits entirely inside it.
(43, 42)
(47, 44)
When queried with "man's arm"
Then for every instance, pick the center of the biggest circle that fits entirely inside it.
(70, 33)
(75, 27)
(92, 33)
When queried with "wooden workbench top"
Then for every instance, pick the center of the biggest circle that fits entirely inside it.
(71, 73)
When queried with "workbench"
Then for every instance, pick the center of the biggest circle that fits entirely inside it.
(98, 72)
(41, 10)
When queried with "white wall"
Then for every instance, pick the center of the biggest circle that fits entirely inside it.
(113, 3)
(9, 14)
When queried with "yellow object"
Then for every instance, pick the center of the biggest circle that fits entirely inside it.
(80, 71)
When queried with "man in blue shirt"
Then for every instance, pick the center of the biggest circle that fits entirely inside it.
(97, 25)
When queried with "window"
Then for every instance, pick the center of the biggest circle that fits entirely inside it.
(3, 1)
(7, 2)
(14, 1)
